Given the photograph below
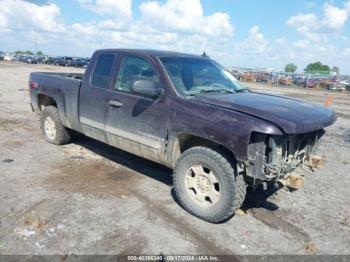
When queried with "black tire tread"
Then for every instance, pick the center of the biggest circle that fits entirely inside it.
(239, 183)
(62, 134)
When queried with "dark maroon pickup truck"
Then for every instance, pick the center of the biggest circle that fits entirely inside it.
(185, 112)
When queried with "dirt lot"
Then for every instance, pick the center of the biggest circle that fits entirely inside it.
(88, 198)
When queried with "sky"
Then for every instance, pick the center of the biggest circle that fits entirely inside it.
(240, 33)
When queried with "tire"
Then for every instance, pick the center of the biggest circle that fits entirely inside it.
(231, 187)
(52, 128)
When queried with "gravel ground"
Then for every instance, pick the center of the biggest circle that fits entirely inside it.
(89, 198)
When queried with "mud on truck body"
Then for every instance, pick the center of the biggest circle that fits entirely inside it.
(185, 112)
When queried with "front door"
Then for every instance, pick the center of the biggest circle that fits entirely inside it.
(134, 122)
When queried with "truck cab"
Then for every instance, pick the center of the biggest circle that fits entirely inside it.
(124, 103)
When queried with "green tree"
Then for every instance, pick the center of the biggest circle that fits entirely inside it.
(39, 53)
(291, 68)
(28, 52)
(317, 67)
(19, 52)
(335, 69)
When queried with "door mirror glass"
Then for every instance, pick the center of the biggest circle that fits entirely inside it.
(147, 88)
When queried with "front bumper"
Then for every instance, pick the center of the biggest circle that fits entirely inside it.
(271, 157)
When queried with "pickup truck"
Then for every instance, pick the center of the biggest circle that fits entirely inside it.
(185, 112)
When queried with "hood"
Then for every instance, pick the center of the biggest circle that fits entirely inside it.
(291, 115)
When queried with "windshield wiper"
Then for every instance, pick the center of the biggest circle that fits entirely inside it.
(202, 91)
(242, 90)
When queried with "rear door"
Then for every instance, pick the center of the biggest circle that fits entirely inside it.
(95, 95)
(137, 123)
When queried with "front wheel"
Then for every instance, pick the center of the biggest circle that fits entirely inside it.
(52, 127)
(207, 186)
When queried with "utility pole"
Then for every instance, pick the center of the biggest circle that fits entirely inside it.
(35, 39)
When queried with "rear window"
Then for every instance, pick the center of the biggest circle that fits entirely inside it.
(103, 71)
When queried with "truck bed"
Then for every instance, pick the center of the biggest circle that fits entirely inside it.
(64, 89)
(78, 76)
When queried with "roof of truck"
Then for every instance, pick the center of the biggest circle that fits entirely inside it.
(157, 53)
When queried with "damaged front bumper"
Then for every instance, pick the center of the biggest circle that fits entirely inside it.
(272, 157)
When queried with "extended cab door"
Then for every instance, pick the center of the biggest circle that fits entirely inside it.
(135, 122)
(95, 95)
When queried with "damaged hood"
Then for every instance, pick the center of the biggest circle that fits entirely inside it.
(291, 115)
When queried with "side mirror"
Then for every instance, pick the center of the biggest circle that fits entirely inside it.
(146, 87)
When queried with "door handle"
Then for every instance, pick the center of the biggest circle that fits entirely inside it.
(115, 103)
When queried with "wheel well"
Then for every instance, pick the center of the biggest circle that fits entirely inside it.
(44, 100)
(187, 141)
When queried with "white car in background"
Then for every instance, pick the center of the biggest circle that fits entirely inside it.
(8, 57)
(345, 82)
(338, 86)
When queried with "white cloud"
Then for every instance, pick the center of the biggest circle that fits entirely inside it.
(255, 43)
(310, 4)
(303, 22)
(302, 44)
(3, 21)
(111, 25)
(176, 15)
(306, 24)
(347, 6)
(314, 27)
(22, 15)
(334, 17)
(88, 29)
(174, 25)
(281, 40)
(117, 8)
(179, 25)
(185, 16)
(346, 52)
(320, 33)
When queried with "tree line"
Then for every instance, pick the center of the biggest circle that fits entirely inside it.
(313, 68)
(28, 52)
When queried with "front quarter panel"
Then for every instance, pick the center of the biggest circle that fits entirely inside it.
(228, 128)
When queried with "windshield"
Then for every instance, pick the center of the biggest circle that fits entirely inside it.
(198, 75)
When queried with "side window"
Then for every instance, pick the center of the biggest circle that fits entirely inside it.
(102, 74)
(132, 69)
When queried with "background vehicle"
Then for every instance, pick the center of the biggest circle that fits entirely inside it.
(236, 73)
(8, 57)
(35, 60)
(337, 86)
(185, 112)
(63, 61)
(51, 60)
(299, 80)
(346, 83)
(312, 82)
(79, 62)
(262, 77)
(285, 80)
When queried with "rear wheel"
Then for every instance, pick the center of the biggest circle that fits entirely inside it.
(52, 128)
(207, 186)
